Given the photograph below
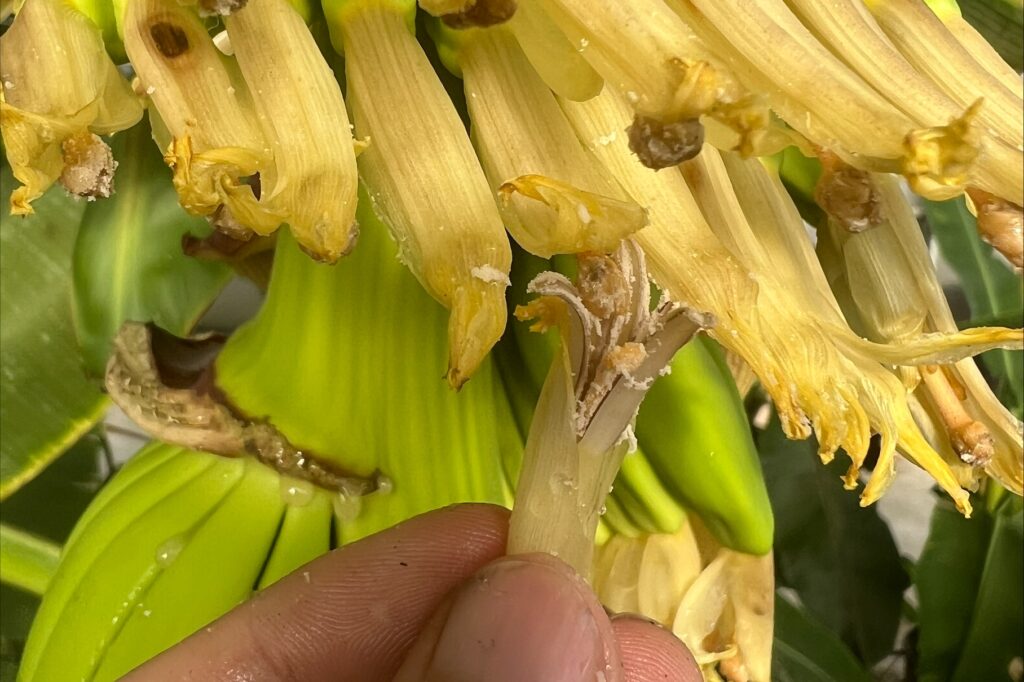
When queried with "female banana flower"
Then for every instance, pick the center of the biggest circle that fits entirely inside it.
(59, 91)
(423, 176)
(741, 255)
(255, 140)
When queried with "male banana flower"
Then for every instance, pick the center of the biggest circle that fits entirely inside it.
(896, 294)
(59, 91)
(718, 601)
(704, 251)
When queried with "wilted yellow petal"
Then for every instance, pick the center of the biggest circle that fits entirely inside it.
(58, 90)
(553, 194)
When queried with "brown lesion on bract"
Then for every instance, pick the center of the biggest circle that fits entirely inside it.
(481, 14)
(88, 166)
(167, 386)
(661, 145)
(847, 194)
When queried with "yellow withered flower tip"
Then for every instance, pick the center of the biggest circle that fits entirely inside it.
(59, 91)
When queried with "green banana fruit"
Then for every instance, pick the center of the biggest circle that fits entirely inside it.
(694, 430)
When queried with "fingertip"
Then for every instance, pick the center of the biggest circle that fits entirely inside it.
(650, 653)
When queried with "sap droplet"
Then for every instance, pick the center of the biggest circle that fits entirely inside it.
(296, 492)
(561, 483)
(347, 507)
(169, 550)
(603, 510)
(385, 485)
(147, 613)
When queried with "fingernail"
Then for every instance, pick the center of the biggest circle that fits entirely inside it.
(635, 616)
(524, 618)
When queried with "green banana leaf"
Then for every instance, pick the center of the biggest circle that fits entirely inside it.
(46, 400)
(48, 507)
(1002, 24)
(29, 560)
(990, 285)
(805, 651)
(128, 263)
(840, 559)
(971, 614)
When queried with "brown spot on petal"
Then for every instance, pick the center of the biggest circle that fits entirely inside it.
(663, 145)
(170, 40)
(482, 13)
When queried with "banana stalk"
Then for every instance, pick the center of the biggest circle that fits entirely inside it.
(59, 91)
(424, 178)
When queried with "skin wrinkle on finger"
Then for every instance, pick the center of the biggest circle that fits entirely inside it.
(524, 617)
(350, 615)
(651, 653)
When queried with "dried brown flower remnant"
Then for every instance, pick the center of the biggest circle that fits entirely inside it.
(165, 385)
(1001, 224)
(482, 13)
(663, 145)
(88, 166)
(846, 194)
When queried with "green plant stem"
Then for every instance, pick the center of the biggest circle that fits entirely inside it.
(28, 562)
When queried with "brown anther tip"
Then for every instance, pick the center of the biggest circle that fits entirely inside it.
(481, 14)
(88, 166)
(663, 145)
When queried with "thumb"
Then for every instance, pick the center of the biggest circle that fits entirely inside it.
(525, 617)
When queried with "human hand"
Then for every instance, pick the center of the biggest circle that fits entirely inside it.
(430, 599)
